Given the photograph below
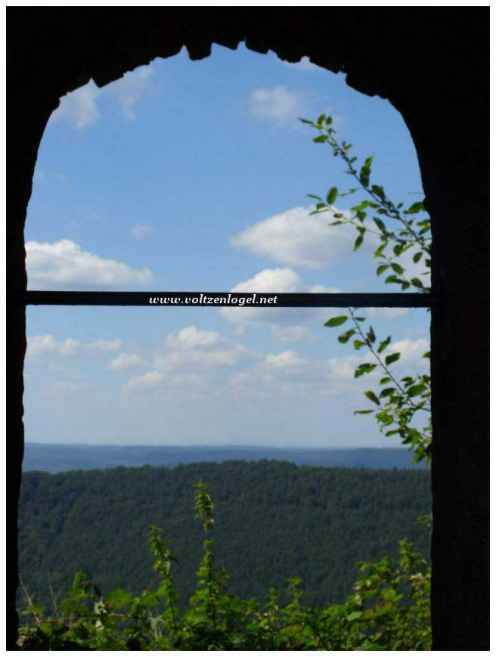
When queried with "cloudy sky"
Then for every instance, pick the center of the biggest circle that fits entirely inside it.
(193, 176)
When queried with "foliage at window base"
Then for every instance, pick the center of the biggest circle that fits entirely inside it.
(388, 609)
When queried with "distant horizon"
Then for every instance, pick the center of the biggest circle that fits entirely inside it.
(220, 446)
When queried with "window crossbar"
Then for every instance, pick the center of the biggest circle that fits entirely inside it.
(260, 299)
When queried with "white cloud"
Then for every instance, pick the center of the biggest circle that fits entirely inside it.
(197, 358)
(64, 264)
(105, 345)
(82, 108)
(283, 280)
(276, 104)
(148, 380)
(191, 337)
(43, 344)
(411, 350)
(283, 374)
(267, 280)
(126, 361)
(192, 358)
(193, 349)
(79, 108)
(343, 368)
(70, 347)
(130, 89)
(271, 280)
(141, 231)
(298, 239)
(285, 360)
(386, 313)
(290, 333)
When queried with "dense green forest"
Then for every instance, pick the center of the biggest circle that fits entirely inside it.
(274, 520)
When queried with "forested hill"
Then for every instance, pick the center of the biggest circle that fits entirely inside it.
(59, 458)
(273, 520)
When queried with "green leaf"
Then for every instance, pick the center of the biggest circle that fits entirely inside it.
(417, 256)
(355, 615)
(378, 252)
(118, 598)
(365, 172)
(358, 242)
(336, 321)
(392, 358)
(417, 282)
(397, 268)
(392, 279)
(364, 368)
(332, 195)
(372, 396)
(415, 208)
(384, 380)
(320, 139)
(364, 412)
(379, 191)
(317, 198)
(381, 269)
(380, 224)
(387, 392)
(346, 336)
(371, 335)
(358, 344)
(385, 418)
(416, 390)
(384, 344)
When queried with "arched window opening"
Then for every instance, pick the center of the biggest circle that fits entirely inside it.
(194, 177)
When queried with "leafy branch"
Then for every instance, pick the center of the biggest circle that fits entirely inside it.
(377, 215)
(398, 230)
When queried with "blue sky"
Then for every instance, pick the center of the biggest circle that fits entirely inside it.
(194, 175)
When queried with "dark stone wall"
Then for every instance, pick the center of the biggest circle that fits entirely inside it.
(431, 63)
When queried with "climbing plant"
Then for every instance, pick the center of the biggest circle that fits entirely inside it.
(402, 235)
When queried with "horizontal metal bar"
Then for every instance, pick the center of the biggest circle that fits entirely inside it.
(176, 299)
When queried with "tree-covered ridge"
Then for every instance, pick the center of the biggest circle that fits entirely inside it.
(60, 458)
(274, 520)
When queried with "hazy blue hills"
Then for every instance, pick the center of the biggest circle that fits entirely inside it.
(60, 458)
